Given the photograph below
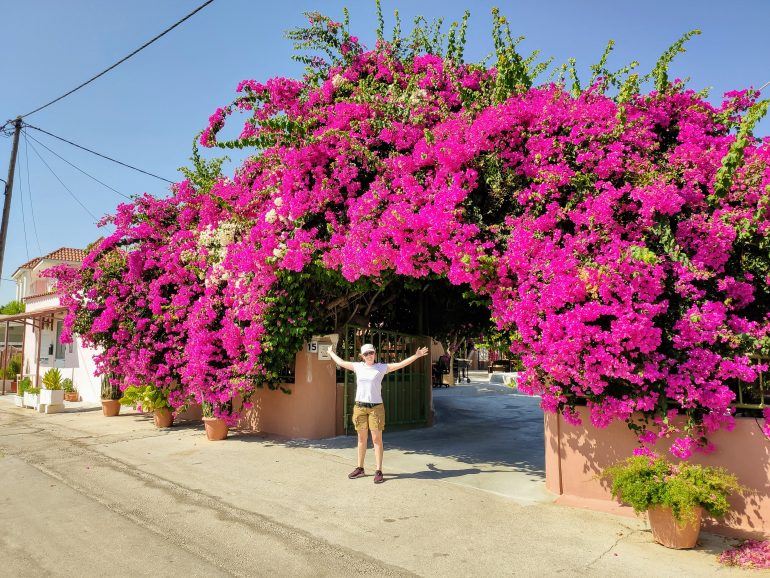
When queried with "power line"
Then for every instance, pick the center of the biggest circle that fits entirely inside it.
(62, 183)
(122, 60)
(98, 154)
(29, 192)
(21, 200)
(77, 168)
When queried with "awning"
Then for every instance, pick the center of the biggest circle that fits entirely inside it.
(38, 320)
(46, 312)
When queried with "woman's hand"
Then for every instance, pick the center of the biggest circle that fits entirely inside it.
(421, 352)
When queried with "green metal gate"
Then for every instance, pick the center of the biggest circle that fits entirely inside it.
(406, 393)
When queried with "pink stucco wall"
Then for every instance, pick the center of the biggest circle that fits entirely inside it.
(575, 455)
(310, 411)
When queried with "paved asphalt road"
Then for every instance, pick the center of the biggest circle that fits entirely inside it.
(82, 495)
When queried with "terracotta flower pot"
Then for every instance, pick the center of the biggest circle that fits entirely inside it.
(670, 533)
(110, 407)
(71, 396)
(163, 418)
(216, 429)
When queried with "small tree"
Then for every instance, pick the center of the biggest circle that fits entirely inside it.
(12, 308)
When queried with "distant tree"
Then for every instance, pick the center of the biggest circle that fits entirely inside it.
(12, 308)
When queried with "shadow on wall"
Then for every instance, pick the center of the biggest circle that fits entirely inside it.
(750, 461)
(585, 451)
(251, 420)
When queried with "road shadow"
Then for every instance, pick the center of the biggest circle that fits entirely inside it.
(434, 473)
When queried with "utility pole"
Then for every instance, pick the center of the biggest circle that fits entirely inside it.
(9, 190)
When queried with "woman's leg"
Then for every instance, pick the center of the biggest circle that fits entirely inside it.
(362, 441)
(378, 450)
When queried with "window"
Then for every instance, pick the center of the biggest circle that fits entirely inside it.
(15, 334)
(59, 344)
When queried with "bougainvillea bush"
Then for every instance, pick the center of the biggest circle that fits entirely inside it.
(616, 229)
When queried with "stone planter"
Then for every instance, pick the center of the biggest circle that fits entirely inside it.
(31, 400)
(51, 401)
(110, 407)
(163, 418)
(216, 429)
(670, 533)
(51, 396)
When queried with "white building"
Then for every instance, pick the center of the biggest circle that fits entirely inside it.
(43, 319)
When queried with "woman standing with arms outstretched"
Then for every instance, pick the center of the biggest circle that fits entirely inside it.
(369, 411)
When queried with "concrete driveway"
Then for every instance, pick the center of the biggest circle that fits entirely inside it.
(485, 436)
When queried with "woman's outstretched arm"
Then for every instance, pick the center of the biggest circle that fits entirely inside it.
(339, 361)
(422, 351)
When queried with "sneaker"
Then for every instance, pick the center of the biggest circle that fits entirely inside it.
(357, 473)
(378, 478)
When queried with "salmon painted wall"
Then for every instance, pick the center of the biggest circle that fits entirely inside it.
(310, 411)
(576, 455)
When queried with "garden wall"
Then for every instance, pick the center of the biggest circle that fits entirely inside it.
(575, 455)
(310, 411)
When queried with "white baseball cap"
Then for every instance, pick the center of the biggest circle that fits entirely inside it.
(366, 347)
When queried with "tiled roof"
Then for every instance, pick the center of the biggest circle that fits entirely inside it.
(67, 254)
(46, 294)
(61, 254)
(31, 264)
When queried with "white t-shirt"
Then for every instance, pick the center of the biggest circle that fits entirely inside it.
(369, 381)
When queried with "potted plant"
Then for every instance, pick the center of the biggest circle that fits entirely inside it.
(13, 370)
(70, 393)
(52, 392)
(673, 495)
(24, 386)
(110, 396)
(149, 398)
(216, 427)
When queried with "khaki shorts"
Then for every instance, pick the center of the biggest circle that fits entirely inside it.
(369, 417)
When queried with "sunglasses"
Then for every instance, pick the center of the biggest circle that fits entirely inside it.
(368, 353)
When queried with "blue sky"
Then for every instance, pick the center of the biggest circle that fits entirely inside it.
(147, 111)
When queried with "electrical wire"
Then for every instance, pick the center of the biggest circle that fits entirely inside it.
(21, 200)
(122, 60)
(62, 183)
(29, 193)
(97, 154)
(79, 169)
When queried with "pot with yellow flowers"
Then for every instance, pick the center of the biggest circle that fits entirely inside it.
(150, 399)
(674, 495)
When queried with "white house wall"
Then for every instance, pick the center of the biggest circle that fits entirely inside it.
(82, 371)
(78, 363)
